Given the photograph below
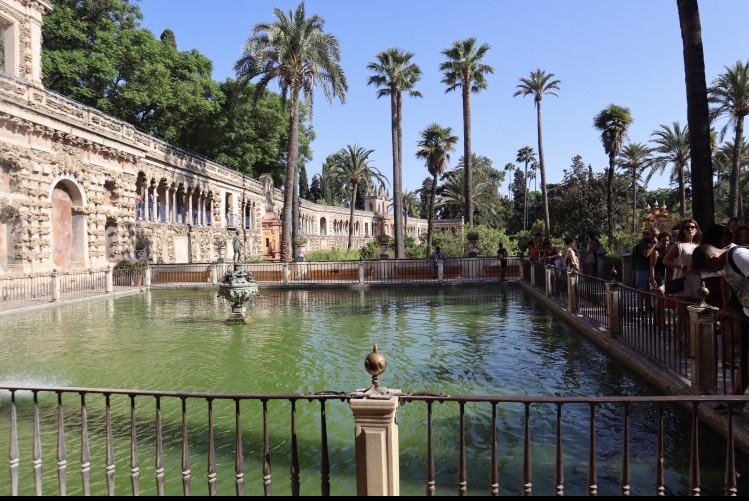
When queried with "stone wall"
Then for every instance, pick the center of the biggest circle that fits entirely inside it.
(79, 188)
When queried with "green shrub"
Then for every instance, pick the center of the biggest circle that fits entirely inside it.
(334, 255)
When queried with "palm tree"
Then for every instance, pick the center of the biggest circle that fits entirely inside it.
(299, 55)
(485, 189)
(526, 155)
(538, 84)
(698, 117)
(350, 168)
(411, 204)
(613, 123)
(672, 147)
(722, 161)
(435, 146)
(394, 74)
(509, 168)
(464, 69)
(635, 158)
(730, 92)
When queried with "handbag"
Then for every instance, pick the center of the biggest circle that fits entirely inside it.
(675, 285)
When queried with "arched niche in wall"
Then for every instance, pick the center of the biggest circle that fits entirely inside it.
(68, 221)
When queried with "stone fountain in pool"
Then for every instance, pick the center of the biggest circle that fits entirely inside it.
(238, 287)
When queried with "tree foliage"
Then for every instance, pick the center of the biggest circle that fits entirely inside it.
(394, 74)
(97, 54)
(299, 55)
(464, 69)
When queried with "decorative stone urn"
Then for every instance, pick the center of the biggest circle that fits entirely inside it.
(238, 287)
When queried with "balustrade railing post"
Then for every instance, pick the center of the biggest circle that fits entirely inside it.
(56, 285)
(549, 279)
(532, 271)
(147, 275)
(108, 281)
(440, 270)
(361, 272)
(214, 273)
(376, 434)
(376, 446)
(702, 343)
(613, 294)
(572, 279)
(285, 273)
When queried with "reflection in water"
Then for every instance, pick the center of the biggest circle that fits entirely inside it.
(457, 340)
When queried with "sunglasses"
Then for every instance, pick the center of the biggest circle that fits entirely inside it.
(691, 227)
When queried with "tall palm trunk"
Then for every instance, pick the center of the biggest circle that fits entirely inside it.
(682, 193)
(430, 219)
(698, 119)
(397, 188)
(525, 197)
(291, 160)
(634, 199)
(734, 181)
(468, 178)
(398, 181)
(542, 168)
(295, 213)
(610, 196)
(354, 189)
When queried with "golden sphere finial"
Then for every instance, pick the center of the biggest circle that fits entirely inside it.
(703, 292)
(375, 364)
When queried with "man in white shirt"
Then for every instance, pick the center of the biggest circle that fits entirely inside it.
(732, 264)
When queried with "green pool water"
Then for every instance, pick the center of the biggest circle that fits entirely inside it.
(467, 340)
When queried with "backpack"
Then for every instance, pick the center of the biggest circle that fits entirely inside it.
(731, 262)
(739, 286)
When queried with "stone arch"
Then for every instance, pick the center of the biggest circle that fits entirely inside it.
(68, 225)
(323, 226)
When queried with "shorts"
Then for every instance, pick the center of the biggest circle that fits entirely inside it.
(642, 279)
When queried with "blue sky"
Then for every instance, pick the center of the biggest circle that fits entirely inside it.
(604, 52)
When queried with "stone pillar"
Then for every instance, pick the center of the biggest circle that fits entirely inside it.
(615, 321)
(376, 446)
(190, 220)
(152, 202)
(108, 282)
(572, 290)
(440, 269)
(201, 210)
(361, 272)
(702, 340)
(214, 274)
(532, 270)
(285, 273)
(549, 279)
(166, 216)
(147, 276)
(56, 285)
(627, 269)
